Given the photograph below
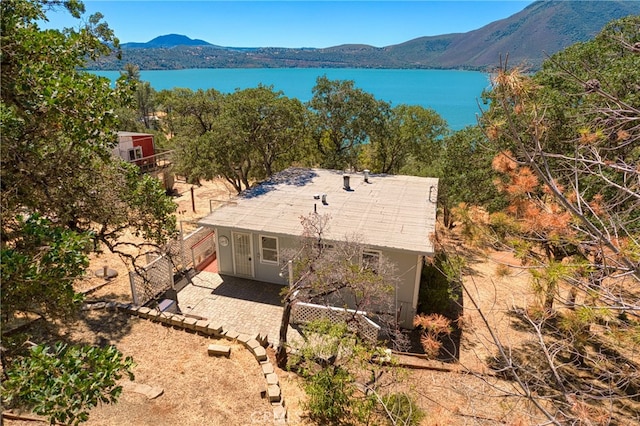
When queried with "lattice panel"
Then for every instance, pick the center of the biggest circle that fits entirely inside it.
(174, 250)
(304, 313)
(155, 278)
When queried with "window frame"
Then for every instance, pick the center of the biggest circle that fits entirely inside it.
(271, 250)
(371, 254)
(137, 154)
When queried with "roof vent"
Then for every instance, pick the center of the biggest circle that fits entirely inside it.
(346, 186)
(366, 176)
(324, 199)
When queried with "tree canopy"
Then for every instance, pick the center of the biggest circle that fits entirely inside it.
(63, 192)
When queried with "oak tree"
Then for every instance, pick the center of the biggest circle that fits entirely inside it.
(63, 192)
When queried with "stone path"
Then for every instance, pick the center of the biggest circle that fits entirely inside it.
(246, 306)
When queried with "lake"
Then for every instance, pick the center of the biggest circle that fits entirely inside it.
(451, 93)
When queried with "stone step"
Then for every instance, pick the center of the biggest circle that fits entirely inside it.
(219, 350)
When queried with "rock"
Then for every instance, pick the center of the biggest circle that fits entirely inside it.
(272, 379)
(267, 368)
(190, 323)
(151, 392)
(260, 353)
(230, 334)
(244, 338)
(252, 344)
(273, 393)
(201, 326)
(279, 415)
(219, 350)
(175, 320)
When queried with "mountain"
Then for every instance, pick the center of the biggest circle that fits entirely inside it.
(541, 29)
(169, 40)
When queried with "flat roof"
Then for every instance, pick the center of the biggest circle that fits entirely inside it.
(388, 211)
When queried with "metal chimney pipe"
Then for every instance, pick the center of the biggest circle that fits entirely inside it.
(345, 180)
(366, 176)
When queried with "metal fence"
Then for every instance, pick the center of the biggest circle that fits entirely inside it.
(304, 313)
(203, 251)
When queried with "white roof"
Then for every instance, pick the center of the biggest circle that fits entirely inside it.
(129, 134)
(390, 211)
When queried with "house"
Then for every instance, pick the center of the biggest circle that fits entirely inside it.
(140, 148)
(135, 147)
(395, 216)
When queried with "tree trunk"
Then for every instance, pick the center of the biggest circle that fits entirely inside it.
(281, 353)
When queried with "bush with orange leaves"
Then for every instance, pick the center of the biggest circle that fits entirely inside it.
(433, 326)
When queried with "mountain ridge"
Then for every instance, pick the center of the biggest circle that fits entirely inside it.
(527, 37)
(167, 40)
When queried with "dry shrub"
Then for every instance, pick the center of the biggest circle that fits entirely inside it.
(502, 270)
(430, 344)
(433, 326)
(464, 322)
(589, 414)
(433, 323)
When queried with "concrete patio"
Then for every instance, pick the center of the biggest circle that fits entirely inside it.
(242, 305)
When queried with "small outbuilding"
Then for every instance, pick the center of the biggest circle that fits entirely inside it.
(140, 149)
(135, 147)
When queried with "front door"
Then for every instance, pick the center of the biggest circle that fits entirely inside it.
(242, 254)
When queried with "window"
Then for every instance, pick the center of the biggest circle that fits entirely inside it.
(269, 249)
(371, 260)
(135, 153)
(324, 247)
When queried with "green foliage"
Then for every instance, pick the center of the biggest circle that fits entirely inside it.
(149, 211)
(438, 284)
(547, 279)
(65, 382)
(402, 409)
(244, 136)
(568, 137)
(61, 189)
(329, 391)
(39, 268)
(330, 360)
(405, 132)
(344, 118)
(462, 162)
(503, 225)
(464, 169)
(58, 130)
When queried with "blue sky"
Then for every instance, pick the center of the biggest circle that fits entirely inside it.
(293, 23)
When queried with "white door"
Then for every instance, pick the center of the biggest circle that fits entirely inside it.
(242, 254)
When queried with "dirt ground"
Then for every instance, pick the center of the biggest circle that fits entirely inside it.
(201, 390)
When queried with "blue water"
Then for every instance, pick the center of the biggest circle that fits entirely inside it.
(452, 94)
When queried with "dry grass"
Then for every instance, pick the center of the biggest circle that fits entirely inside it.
(197, 388)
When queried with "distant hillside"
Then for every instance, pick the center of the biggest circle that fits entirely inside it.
(541, 29)
(169, 40)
